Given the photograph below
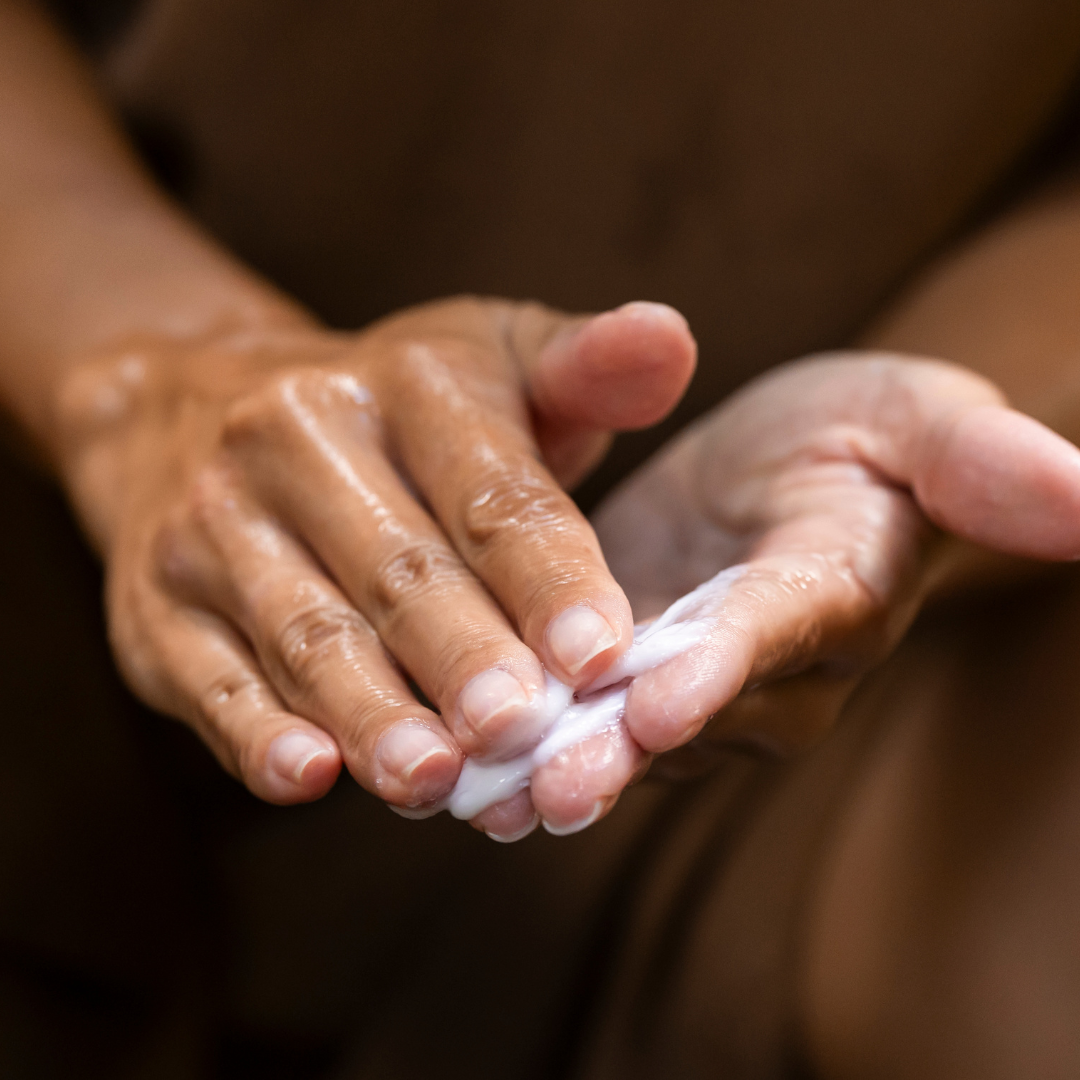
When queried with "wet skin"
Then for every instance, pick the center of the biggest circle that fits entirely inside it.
(282, 529)
(295, 520)
(834, 480)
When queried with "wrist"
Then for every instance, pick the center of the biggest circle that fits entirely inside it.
(93, 267)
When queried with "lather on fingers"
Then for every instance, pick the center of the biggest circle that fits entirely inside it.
(827, 479)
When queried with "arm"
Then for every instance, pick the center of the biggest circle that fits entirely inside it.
(93, 253)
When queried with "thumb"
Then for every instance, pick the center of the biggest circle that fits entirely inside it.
(588, 376)
(1001, 479)
(976, 467)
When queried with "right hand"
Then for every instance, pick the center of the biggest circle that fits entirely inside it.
(295, 521)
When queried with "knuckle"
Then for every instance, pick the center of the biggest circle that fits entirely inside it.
(102, 393)
(205, 500)
(315, 635)
(183, 542)
(411, 573)
(220, 693)
(452, 370)
(513, 506)
(286, 405)
(419, 367)
(261, 414)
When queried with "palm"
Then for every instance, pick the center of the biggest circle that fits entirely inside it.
(824, 477)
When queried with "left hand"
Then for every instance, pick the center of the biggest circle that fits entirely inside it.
(831, 478)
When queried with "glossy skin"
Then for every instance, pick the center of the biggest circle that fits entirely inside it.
(268, 495)
(235, 483)
(826, 478)
(292, 518)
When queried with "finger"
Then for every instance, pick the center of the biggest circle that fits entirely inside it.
(977, 468)
(1003, 480)
(622, 369)
(509, 821)
(322, 657)
(512, 523)
(201, 672)
(581, 784)
(617, 371)
(304, 449)
(785, 614)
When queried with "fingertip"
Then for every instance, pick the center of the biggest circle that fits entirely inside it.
(508, 821)
(578, 639)
(497, 713)
(417, 765)
(656, 722)
(567, 790)
(1003, 480)
(584, 638)
(300, 765)
(601, 808)
(668, 706)
(622, 369)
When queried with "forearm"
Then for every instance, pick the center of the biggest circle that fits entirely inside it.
(93, 254)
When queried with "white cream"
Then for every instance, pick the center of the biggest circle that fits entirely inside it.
(570, 718)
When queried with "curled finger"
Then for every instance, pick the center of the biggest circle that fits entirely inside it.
(320, 654)
(204, 674)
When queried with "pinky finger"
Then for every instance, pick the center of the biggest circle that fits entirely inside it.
(214, 684)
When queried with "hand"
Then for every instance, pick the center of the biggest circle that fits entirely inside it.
(295, 521)
(830, 478)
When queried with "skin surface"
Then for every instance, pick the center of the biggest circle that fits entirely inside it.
(922, 908)
(226, 453)
(291, 517)
(295, 522)
(233, 484)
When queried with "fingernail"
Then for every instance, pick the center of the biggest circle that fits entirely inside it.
(488, 697)
(418, 757)
(576, 826)
(510, 838)
(417, 813)
(577, 635)
(650, 307)
(290, 753)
